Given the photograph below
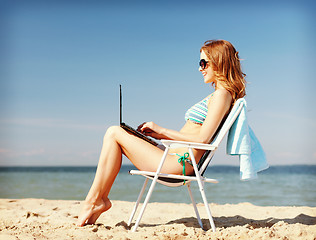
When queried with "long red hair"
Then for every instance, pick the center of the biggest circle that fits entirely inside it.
(226, 65)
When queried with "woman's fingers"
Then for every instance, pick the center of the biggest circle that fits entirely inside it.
(144, 127)
(140, 126)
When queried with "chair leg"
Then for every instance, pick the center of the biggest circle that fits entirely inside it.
(151, 189)
(194, 206)
(201, 187)
(137, 202)
(207, 207)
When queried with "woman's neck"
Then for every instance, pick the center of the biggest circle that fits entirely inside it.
(218, 85)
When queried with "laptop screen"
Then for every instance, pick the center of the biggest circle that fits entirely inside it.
(121, 104)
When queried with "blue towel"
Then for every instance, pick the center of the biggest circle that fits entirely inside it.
(242, 141)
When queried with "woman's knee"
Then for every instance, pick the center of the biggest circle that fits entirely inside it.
(112, 131)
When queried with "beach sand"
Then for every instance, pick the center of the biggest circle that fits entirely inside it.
(56, 219)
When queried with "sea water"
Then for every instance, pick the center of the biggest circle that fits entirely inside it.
(276, 186)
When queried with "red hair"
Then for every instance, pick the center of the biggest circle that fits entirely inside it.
(226, 65)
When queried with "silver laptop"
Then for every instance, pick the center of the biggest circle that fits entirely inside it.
(130, 129)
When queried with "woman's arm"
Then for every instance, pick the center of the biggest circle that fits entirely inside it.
(218, 107)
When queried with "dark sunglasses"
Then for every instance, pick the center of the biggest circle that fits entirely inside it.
(203, 63)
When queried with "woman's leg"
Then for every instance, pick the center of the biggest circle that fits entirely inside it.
(142, 154)
(108, 167)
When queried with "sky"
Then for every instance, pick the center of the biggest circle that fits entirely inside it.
(62, 63)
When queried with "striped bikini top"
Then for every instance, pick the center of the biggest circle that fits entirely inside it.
(198, 112)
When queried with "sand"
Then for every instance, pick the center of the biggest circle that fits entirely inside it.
(56, 219)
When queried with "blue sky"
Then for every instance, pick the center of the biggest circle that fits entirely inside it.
(62, 63)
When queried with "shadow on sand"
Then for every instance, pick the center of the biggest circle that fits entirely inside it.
(225, 222)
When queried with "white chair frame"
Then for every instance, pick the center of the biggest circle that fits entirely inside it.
(169, 144)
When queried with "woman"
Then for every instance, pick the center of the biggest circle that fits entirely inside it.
(220, 66)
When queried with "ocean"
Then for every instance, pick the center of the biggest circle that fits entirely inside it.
(276, 186)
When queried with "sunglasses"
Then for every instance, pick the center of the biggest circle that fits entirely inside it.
(203, 63)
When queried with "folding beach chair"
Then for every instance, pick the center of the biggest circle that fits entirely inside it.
(174, 180)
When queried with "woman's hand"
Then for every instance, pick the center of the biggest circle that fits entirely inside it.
(151, 129)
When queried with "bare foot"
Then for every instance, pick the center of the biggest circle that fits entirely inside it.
(94, 210)
(96, 215)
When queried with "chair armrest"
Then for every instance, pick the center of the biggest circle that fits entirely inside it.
(173, 176)
(181, 144)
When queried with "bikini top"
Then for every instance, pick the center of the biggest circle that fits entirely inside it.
(198, 112)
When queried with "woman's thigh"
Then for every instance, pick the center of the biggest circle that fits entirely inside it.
(143, 155)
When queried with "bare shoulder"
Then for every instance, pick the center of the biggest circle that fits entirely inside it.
(222, 96)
